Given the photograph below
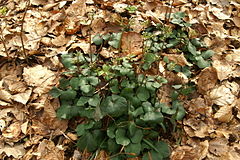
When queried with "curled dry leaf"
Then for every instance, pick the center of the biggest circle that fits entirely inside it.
(131, 43)
(48, 151)
(60, 41)
(224, 69)
(218, 146)
(207, 80)
(39, 77)
(13, 131)
(196, 128)
(197, 152)
(22, 97)
(17, 151)
(224, 94)
(224, 114)
(178, 59)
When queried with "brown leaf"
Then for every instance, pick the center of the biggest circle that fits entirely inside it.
(224, 94)
(13, 131)
(22, 97)
(131, 43)
(48, 151)
(218, 146)
(39, 77)
(60, 41)
(178, 59)
(207, 79)
(17, 151)
(224, 114)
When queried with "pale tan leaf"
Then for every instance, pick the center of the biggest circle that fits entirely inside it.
(17, 151)
(131, 43)
(207, 80)
(13, 131)
(224, 114)
(22, 97)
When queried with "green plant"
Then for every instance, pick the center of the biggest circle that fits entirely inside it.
(120, 107)
(161, 38)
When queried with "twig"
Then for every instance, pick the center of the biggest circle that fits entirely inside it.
(21, 32)
(168, 14)
(4, 45)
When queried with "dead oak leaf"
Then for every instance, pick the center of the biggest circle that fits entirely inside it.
(207, 80)
(17, 151)
(40, 77)
(60, 41)
(178, 59)
(224, 114)
(131, 43)
(218, 146)
(48, 151)
(13, 131)
(224, 94)
(224, 69)
(22, 97)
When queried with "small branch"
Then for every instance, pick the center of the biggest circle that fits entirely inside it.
(4, 45)
(21, 32)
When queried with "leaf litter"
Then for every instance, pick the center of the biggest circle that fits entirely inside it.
(28, 114)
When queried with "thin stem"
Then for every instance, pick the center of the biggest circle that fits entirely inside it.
(21, 32)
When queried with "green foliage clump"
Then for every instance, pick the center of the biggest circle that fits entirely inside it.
(161, 38)
(120, 107)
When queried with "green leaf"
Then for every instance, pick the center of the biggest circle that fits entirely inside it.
(133, 149)
(147, 107)
(181, 113)
(68, 94)
(74, 83)
(97, 39)
(81, 128)
(94, 101)
(93, 80)
(168, 110)
(137, 112)
(113, 146)
(106, 37)
(88, 142)
(192, 49)
(115, 40)
(143, 93)
(121, 137)
(55, 92)
(86, 88)
(153, 117)
(82, 101)
(132, 128)
(63, 83)
(111, 131)
(163, 149)
(138, 136)
(207, 54)
(68, 61)
(201, 63)
(114, 105)
(67, 111)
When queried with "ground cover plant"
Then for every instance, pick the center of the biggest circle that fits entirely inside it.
(121, 110)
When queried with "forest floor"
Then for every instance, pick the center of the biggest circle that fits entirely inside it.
(35, 33)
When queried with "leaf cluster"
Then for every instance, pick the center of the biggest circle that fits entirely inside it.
(120, 107)
(161, 38)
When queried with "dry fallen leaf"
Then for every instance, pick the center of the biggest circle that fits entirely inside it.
(39, 77)
(207, 79)
(131, 43)
(224, 94)
(178, 59)
(13, 131)
(22, 97)
(48, 151)
(17, 151)
(224, 114)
